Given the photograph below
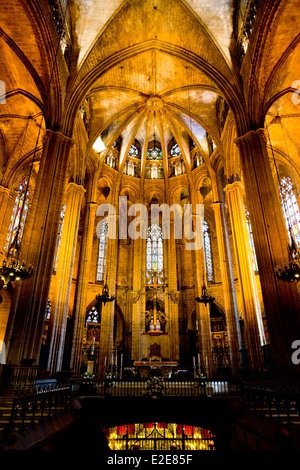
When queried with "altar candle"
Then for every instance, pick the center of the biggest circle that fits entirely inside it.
(93, 347)
(105, 363)
(90, 367)
(198, 359)
(194, 364)
(121, 360)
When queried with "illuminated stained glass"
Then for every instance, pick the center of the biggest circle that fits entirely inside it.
(93, 316)
(160, 437)
(154, 153)
(154, 250)
(48, 310)
(133, 151)
(290, 208)
(59, 234)
(175, 151)
(249, 227)
(207, 252)
(18, 215)
(102, 252)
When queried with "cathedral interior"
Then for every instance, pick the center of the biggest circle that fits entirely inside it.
(150, 224)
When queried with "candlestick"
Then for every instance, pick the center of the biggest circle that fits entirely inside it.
(90, 367)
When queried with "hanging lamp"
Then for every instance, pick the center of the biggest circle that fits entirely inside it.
(291, 271)
(205, 298)
(11, 268)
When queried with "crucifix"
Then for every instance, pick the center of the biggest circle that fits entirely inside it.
(158, 282)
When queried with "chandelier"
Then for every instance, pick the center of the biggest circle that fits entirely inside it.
(104, 297)
(205, 298)
(11, 269)
(290, 272)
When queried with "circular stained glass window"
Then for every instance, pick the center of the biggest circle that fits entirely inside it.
(133, 151)
(154, 153)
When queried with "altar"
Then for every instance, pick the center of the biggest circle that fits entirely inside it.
(150, 368)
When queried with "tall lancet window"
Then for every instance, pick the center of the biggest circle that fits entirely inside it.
(207, 252)
(251, 240)
(102, 252)
(155, 251)
(290, 208)
(18, 215)
(59, 234)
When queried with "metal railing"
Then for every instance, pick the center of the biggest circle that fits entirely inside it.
(139, 387)
(33, 405)
(273, 400)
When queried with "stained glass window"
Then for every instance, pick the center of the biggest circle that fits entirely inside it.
(251, 240)
(290, 208)
(18, 215)
(155, 252)
(154, 153)
(133, 151)
(59, 233)
(102, 252)
(175, 151)
(207, 251)
(93, 316)
(48, 310)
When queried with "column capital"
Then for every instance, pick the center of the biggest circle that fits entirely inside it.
(251, 135)
(59, 136)
(75, 188)
(233, 186)
(4, 190)
(217, 205)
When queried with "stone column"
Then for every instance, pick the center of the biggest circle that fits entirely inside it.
(202, 311)
(173, 294)
(83, 273)
(63, 276)
(108, 310)
(138, 301)
(280, 298)
(27, 317)
(231, 310)
(253, 321)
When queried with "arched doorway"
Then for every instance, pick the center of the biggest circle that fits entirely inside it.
(91, 340)
(219, 338)
(219, 342)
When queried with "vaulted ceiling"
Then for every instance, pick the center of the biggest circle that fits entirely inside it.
(150, 70)
(136, 65)
(93, 16)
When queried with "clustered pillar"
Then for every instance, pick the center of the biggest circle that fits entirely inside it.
(26, 323)
(232, 318)
(83, 273)
(63, 278)
(252, 313)
(281, 299)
